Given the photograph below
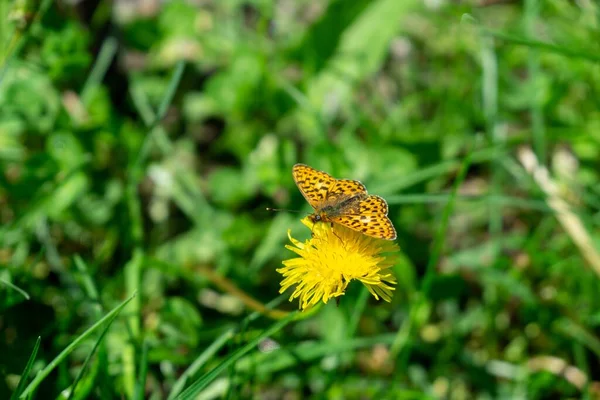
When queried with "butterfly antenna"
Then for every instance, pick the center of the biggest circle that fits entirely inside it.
(282, 209)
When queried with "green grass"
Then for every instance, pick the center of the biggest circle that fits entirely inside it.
(139, 149)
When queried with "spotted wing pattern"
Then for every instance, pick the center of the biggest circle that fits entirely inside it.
(373, 205)
(372, 219)
(345, 188)
(314, 185)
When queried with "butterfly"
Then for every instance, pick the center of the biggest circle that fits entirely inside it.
(344, 201)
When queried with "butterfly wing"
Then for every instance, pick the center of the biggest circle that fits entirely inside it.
(314, 185)
(345, 188)
(373, 205)
(318, 187)
(378, 226)
(370, 218)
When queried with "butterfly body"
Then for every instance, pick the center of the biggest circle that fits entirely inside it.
(343, 201)
(344, 204)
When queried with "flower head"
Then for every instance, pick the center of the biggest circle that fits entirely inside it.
(333, 257)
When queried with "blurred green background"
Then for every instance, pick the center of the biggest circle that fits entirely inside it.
(141, 141)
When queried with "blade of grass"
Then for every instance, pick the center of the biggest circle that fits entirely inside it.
(200, 361)
(196, 387)
(443, 198)
(583, 365)
(589, 55)
(63, 354)
(579, 334)
(489, 66)
(144, 109)
(440, 237)
(189, 197)
(332, 376)
(232, 388)
(358, 310)
(133, 272)
(310, 111)
(134, 206)
(154, 128)
(133, 277)
(15, 288)
(143, 373)
(52, 254)
(103, 61)
(215, 346)
(26, 371)
(89, 356)
(433, 171)
(135, 169)
(168, 97)
(531, 15)
(270, 243)
(88, 283)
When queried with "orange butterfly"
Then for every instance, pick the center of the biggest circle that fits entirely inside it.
(344, 201)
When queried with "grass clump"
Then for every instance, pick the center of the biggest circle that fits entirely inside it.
(140, 144)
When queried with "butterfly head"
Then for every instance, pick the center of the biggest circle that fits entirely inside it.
(316, 217)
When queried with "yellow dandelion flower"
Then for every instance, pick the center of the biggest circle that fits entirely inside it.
(332, 258)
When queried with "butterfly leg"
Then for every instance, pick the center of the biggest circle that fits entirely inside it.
(336, 235)
(333, 231)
